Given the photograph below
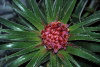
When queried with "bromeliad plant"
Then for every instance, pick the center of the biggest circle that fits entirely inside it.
(49, 33)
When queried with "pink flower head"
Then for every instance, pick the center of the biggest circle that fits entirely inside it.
(55, 36)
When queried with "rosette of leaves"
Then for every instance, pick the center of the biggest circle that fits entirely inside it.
(25, 35)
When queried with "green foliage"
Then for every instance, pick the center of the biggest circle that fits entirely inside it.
(78, 11)
(12, 25)
(53, 60)
(84, 54)
(37, 59)
(49, 10)
(70, 5)
(29, 15)
(22, 59)
(25, 35)
(94, 47)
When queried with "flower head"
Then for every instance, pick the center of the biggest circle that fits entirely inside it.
(55, 36)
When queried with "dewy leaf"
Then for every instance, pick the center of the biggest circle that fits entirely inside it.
(25, 22)
(16, 45)
(86, 22)
(79, 9)
(28, 14)
(53, 60)
(21, 33)
(49, 10)
(37, 24)
(83, 53)
(37, 59)
(22, 52)
(22, 59)
(68, 13)
(12, 25)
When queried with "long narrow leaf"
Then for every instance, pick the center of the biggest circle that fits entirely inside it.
(19, 37)
(16, 45)
(64, 59)
(57, 8)
(49, 11)
(93, 34)
(70, 8)
(84, 29)
(86, 22)
(83, 53)
(22, 33)
(37, 11)
(21, 60)
(64, 8)
(82, 37)
(92, 19)
(25, 22)
(53, 60)
(12, 36)
(94, 47)
(37, 58)
(22, 52)
(70, 58)
(79, 9)
(12, 25)
(28, 15)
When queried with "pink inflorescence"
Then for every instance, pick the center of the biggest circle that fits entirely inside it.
(55, 36)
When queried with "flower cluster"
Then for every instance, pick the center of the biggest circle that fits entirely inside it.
(55, 36)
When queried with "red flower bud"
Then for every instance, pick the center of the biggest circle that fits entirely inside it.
(55, 36)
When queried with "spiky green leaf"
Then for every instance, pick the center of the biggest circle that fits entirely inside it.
(49, 10)
(78, 11)
(19, 37)
(21, 60)
(64, 59)
(71, 5)
(37, 59)
(83, 53)
(83, 37)
(94, 47)
(37, 11)
(16, 45)
(28, 14)
(12, 25)
(57, 8)
(87, 21)
(70, 58)
(25, 22)
(21, 33)
(85, 29)
(53, 60)
(22, 52)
